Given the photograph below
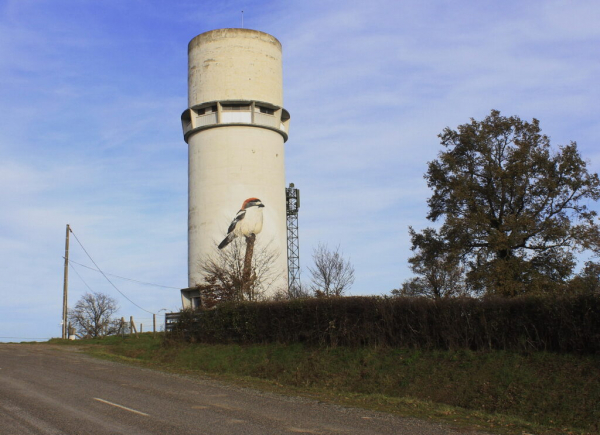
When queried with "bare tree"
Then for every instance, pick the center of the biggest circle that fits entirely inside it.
(232, 275)
(92, 316)
(289, 293)
(298, 292)
(331, 275)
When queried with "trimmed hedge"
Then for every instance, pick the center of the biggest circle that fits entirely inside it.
(556, 324)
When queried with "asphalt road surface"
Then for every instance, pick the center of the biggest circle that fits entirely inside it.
(49, 390)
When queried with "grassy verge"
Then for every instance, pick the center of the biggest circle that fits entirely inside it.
(496, 391)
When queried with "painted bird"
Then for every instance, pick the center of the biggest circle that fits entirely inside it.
(247, 221)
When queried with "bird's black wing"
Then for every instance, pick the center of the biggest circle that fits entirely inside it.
(238, 217)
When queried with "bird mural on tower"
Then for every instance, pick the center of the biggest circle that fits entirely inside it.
(247, 221)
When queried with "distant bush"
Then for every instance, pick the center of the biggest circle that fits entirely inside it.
(531, 323)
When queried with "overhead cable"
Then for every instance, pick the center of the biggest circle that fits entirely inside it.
(104, 275)
(122, 277)
(81, 278)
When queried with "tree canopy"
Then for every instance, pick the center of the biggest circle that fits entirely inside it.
(332, 274)
(512, 210)
(93, 315)
(439, 272)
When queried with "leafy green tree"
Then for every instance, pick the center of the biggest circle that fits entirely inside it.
(587, 281)
(440, 274)
(513, 211)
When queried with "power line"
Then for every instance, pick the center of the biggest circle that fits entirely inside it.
(104, 275)
(86, 284)
(80, 277)
(122, 277)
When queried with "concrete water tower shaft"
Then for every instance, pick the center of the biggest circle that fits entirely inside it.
(235, 127)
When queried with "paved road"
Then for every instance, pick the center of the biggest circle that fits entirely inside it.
(46, 390)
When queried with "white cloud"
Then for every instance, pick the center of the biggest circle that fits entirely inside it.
(90, 132)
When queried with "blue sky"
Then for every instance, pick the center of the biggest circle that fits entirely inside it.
(91, 94)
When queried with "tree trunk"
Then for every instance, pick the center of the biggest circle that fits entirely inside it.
(247, 272)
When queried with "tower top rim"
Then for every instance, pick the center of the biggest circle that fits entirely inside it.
(232, 32)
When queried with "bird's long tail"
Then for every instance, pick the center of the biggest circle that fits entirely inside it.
(227, 240)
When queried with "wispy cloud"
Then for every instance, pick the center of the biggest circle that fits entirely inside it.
(90, 132)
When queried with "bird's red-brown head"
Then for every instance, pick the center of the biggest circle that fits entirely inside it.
(252, 202)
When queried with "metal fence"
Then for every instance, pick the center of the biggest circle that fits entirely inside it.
(170, 320)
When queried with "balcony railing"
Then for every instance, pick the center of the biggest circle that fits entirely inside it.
(196, 118)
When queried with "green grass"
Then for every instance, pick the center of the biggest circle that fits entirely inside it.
(496, 391)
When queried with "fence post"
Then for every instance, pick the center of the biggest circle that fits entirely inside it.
(133, 328)
(153, 325)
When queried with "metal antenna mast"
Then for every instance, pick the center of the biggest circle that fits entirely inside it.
(292, 199)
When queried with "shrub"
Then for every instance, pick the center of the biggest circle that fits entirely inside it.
(529, 323)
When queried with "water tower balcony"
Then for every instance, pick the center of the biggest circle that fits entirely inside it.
(235, 112)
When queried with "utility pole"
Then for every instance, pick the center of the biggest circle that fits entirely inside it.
(65, 332)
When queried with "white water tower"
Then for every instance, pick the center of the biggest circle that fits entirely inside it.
(235, 126)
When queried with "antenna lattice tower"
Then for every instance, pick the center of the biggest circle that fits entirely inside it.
(292, 200)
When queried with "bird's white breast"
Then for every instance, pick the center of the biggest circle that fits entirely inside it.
(252, 222)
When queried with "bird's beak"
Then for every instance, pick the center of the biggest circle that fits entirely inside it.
(261, 205)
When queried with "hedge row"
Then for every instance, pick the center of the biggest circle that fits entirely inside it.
(557, 324)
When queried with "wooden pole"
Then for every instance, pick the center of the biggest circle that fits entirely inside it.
(65, 330)
(246, 273)
(123, 327)
(133, 328)
(154, 325)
